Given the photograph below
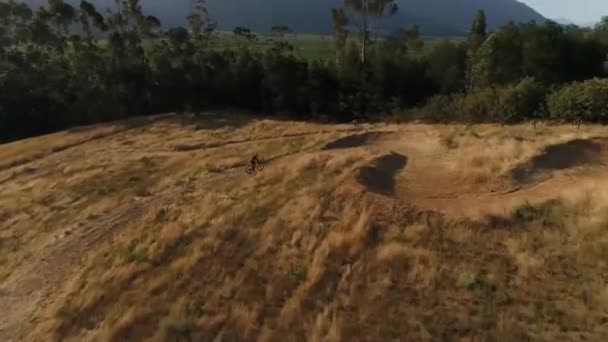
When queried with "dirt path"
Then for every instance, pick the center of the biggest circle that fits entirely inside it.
(427, 181)
(30, 287)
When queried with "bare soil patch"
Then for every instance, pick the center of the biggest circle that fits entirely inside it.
(558, 157)
(356, 140)
(379, 176)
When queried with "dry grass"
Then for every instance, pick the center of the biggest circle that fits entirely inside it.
(301, 251)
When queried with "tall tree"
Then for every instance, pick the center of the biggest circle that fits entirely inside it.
(90, 19)
(62, 15)
(280, 30)
(477, 36)
(340, 21)
(364, 14)
(478, 30)
(200, 22)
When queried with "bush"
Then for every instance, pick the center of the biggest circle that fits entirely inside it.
(524, 100)
(439, 108)
(478, 106)
(580, 101)
(509, 104)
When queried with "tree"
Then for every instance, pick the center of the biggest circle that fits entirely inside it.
(91, 19)
(544, 51)
(447, 66)
(62, 15)
(477, 36)
(340, 21)
(365, 13)
(403, 40)
(243, 36)
(602, 26)
(478, 32)
(178, 35)
(498, 60)
(280, 30)
(201, 25)
(243, 32)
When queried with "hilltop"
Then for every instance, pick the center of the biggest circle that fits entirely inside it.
(151, 229)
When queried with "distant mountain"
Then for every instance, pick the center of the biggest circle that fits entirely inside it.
(435, 17)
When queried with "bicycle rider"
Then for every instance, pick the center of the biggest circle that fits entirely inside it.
(254, 161)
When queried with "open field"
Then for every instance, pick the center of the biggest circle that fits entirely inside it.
(150, 229)
(307, 46)
(316, 47)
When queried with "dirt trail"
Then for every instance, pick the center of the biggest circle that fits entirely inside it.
(130, 125)
(428, 183)
(29, 288)
(357, 140)
(200, 146)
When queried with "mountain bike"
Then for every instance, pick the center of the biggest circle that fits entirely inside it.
(255, 166)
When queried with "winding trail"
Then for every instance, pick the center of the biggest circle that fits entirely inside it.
(31, 287)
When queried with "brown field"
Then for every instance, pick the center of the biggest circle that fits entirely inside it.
(151, 230)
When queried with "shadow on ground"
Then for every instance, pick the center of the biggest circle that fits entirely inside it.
(560, 157)
(379, 175)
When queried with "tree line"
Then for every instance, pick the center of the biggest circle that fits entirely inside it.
(62, 66)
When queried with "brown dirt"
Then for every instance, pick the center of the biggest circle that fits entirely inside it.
(356, 140)
(325, 244)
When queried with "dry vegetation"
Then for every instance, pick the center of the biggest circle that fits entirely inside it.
(419, 233)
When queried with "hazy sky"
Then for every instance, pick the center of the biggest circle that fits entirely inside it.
(579, 11)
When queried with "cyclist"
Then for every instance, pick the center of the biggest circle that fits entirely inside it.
(254, 161)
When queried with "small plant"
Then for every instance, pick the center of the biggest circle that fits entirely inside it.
(297, 271)
(134, 254)
(449, 142)
(550, 214)
(177, 328)
(471, 281)
(105, 189)
(259, 215)
(161, 215)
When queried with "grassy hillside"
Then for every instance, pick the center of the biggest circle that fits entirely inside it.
(151, 229)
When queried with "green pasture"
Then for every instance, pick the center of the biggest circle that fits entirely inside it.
(307, 46)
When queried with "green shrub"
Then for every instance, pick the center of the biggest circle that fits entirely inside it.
(521, 101)
(580, 101)
(439, 108)
(478, 106)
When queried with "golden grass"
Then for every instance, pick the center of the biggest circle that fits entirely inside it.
(300, 251)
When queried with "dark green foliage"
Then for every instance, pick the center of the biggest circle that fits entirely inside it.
(447, 66)
(478, 30)
(581, 101)
(52, 78)
(521, 101)
(551, 214)
(547, 52)
(508, 104)
(439, 108)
